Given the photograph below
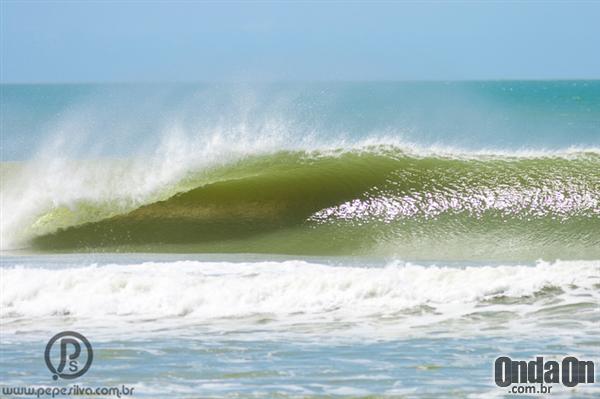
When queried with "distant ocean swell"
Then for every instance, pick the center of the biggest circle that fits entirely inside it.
(369, 200)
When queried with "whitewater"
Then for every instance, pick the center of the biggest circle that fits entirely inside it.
(287, 292)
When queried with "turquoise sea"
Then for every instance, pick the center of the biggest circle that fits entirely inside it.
(300, 240)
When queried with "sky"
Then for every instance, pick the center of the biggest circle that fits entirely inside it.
(155, 41)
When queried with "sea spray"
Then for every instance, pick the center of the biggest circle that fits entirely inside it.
(374, 199)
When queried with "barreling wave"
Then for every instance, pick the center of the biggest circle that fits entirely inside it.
(373, 200)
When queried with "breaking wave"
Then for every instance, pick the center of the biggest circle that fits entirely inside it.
(292, 292)
(372, 200)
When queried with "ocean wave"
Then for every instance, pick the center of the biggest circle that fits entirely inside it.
(372, 199)
(289, 292)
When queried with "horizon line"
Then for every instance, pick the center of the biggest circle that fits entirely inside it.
(310, 81)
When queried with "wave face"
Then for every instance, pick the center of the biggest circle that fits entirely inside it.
(371, 200)
(421, 170)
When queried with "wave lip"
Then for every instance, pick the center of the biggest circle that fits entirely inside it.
(372, 200)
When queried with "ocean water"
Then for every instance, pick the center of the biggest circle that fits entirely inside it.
(301, 239)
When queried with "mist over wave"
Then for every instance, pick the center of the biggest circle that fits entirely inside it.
(338, 169)
(369, 200)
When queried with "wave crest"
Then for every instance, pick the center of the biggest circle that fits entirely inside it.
(376, 199)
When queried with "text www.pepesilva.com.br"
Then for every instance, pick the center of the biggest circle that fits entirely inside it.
(74, 390)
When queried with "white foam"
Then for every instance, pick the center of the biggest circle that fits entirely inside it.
(288, 292)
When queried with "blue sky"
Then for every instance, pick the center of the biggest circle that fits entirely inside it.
(263, 41)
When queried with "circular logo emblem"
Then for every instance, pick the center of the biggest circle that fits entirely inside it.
(68, 355)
